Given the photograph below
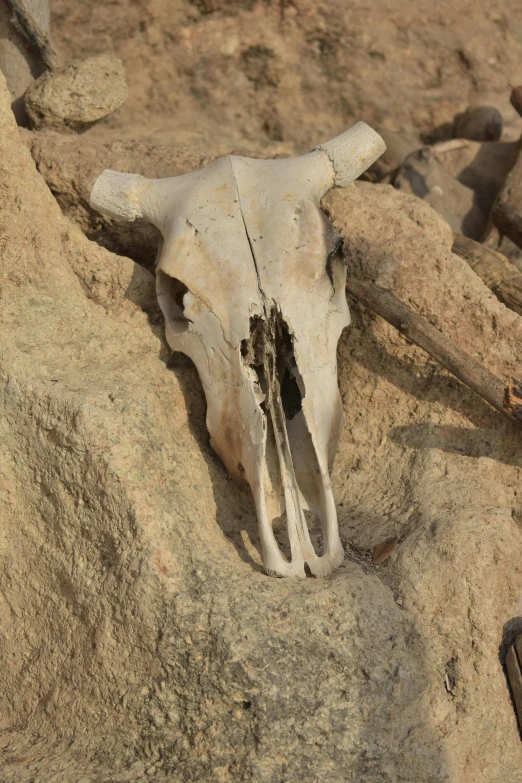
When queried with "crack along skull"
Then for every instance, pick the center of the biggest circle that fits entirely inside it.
(252, 287)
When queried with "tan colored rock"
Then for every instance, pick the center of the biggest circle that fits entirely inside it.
(481, 166)
(137, 631)
(479, 123)
(75, 96)
(19, 61)
(399, 144)
(422, 175)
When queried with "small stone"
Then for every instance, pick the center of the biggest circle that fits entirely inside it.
(424, 176)
(383, 550)
(75, 96)
(483, 123)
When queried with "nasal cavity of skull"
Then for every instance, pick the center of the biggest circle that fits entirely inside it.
(170, 293)
(291, 397)
(271, 338)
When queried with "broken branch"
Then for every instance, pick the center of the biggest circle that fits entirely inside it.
(441, 348)
(494, 269)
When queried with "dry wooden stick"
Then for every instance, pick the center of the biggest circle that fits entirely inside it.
(494, 269)
(440, 347)
(26, 25)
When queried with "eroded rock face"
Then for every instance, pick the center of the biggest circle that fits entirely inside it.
(75, 96)
(138, 632)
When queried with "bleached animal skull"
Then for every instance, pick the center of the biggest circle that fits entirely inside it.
(253, 290)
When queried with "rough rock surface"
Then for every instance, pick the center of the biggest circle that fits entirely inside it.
(19, 62)
(139, 637)
(479, 123)
(481, 166)
(75, 96)
(424, 176)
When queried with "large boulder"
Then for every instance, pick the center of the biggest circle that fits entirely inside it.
(140, 637)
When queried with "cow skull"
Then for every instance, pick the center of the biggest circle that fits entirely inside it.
(253, 290)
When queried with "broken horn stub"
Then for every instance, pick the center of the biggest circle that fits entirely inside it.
(353, 152)
(118, 195)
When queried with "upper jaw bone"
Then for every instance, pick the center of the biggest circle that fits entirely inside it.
(252, 292)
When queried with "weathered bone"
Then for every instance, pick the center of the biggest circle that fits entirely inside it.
(252, 288)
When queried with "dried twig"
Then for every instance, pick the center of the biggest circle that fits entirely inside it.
(26, 25)
(494, 269)
(431, 340)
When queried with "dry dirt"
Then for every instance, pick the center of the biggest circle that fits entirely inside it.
(139, 638)
(297, 71)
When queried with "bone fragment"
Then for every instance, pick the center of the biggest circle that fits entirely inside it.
(441, 348)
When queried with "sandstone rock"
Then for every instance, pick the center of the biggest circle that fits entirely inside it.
(399, 144)
(481, 166)
(422, 175)
(137, 629)
(479, 123)
(75, 96)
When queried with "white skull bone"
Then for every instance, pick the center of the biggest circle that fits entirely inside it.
(253, 291)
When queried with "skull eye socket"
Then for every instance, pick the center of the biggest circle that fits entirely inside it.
(170, 292)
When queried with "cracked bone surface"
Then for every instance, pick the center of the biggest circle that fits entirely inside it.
(253, 290)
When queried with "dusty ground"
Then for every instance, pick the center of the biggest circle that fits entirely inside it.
(294, 70)
(139, 638)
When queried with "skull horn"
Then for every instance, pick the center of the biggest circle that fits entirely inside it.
(124, 196)
(353, 152)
